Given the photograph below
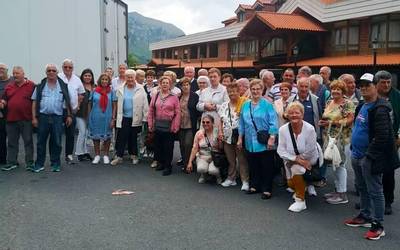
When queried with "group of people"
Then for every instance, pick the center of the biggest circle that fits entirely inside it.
(228, 129)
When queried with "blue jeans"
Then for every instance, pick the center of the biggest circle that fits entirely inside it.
(370, 188)
(49, 125)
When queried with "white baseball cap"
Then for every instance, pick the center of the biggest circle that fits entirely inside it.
(367, 77)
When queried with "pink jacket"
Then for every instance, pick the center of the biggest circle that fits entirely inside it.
(167, 110)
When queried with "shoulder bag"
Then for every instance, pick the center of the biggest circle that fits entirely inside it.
(310, 175)
(262, 135)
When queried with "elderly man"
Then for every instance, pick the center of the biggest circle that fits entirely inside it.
(373, 154)
(318, 88)
(287, 76)
(76, 94)
(189, 73)
(386, 91)
(4, 80)
(268, 80)
(17, 97)
(120, 79)
(304, 71)
(325, 72)
(312, 107)
(49, 99)
(352, 93)
(202, 72)
(109, 71)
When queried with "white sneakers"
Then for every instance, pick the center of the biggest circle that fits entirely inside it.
(245, 186)
(154, 164)
(311, 190)
(202, 179)
(289, 190)
(106, 160)
(96, 159)
(135, 159)
(228, 183)
(117, 160)
(298, 206)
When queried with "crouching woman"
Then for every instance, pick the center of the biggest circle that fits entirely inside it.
(298, 148)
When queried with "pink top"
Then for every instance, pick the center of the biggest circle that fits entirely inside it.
(166, 109)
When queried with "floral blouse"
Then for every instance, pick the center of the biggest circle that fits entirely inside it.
(230, 118)
(334, 112)
(200, 142)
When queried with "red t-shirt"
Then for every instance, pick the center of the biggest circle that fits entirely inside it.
(19, 102)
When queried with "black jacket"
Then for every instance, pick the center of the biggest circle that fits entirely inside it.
(193, 112)
(382, 149)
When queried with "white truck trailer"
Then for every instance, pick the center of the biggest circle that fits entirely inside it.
(93, 33)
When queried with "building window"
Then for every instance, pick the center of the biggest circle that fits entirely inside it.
(193, 52)
(346, 36)
(203, 50)
(176, 53)
(241, 16)
(168, 53)
(243, 48)
(274, 47)
(213, 48)
(378, 31)
(185, 54)
(394, 31)
(354, 37)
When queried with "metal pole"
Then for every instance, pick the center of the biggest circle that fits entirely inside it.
(374, 64)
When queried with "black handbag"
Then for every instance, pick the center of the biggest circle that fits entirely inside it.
(218, 157)
(235, 131)
(262, 135)
(161, 125)
(310, 175)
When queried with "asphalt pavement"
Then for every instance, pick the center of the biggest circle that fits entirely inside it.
(74, 209)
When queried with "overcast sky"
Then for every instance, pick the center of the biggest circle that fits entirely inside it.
(191, 16)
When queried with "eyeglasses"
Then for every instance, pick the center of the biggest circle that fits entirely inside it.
(51, 70)
(201, 82)
(205, 122)
(67, 67)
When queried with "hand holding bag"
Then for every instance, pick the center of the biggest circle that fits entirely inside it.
(218, 157)
(332, 152)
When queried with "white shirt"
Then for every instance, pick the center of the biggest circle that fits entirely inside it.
(116, 83)
(75, 88)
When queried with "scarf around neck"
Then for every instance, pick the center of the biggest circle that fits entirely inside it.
(103, 97)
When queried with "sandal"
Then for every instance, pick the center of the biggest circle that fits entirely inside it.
(252, 191)
(266, 196)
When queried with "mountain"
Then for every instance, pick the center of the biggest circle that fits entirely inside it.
(144, 30)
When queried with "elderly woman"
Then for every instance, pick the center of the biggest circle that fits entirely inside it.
(205, 140)
(228, 133)
(258, 125)
(189, 116)
(81, 149)
(132, 107)
(244, 85)
(101, 111)
(281, 104)
(337, 120)
(298, 148)
(213, 96)
(174, 90)
(164, 120)
(203, 82)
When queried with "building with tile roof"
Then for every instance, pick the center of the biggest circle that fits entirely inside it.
(337, 33)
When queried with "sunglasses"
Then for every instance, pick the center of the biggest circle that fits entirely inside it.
(205, 122)
(51, 70)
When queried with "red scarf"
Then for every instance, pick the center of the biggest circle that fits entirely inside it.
(103, 96)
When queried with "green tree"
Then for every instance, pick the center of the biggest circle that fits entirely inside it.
(132, 60)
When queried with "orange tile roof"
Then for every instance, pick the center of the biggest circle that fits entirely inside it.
(206, 64)
(357, 60)
(278, 21)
